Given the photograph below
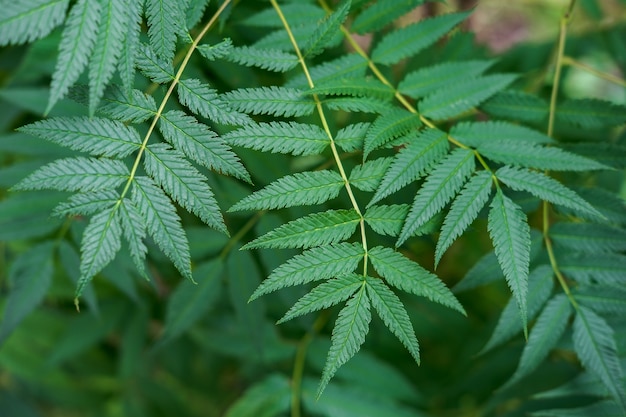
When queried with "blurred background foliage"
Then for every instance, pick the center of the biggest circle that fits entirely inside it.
(114, 359)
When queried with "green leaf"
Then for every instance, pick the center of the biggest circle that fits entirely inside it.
(455, 99)
(386, 220)
(305, 188)
(86, 204)
(544, 187)
(359, 87)
(98, 136)
(267, 59)
(602, 299)
(510, 234)
(349, 334)
(77, 42)
(367, 176)
(407, 41)
(162, 223)
(587, 237)
(408, 276)
(183, 183)
(102, 239)
(202, 99)
(349, 66)
(389, 126)
(107, 48)
(350, 138)
(273, 100)
(280, 137)
(605, 408)
(200, 144)
(325, 295)
(315, 264)
(414, 160)
(540, 285)
(28, 20)
(594, 343)
(327, 32)
(189, 302)
(296, 13)
(381, 14)
(591, 113)
(427, 80)
(153, 67)
(134, 231)
(29, 278)
(316, 229)
(464, 211)
(442, 184)
(605, 268)
(216, 51)
(392, 312)
(544, 336)
(132, 107)
(267, 398)
(165, 20)
(130, 44)
(475, 134)
(356, 105)
(517, 105)
(76, 174)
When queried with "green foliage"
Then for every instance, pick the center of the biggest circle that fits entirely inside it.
(301, 180)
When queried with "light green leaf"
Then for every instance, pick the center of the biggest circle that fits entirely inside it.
(132, 107)
(153, 67)
(367, 176)
(389, 126)
(352, 86)
(475, 134)
(268, 398)
(386, 220)
(98, 136)
(273, 100)
(464, 211)
(392, 312)
(202, 99)
(76, 174)
(327, 33)
(414, 160)
(216, 51)
(305, 188)
(162, 223)
(544, 187)
(264, 58)
(602, 299)
(130, 45)
(442, 184)
(25, 21)
(325, 295)
(349, 333)
(134, 231)
(455, 99)
(408, 276)
(591, 113)
(594, 343)
(350, 138)
(356, 105)
(588, 237)
(165, 20)
(350, 66)
(77, 42)
(517, 105)
(315, 264)
(510, 234)
(316, 229)
(86, 204)
(280, 137)
(585, 268)
(382, 13)
(183, 183)
(296, 13)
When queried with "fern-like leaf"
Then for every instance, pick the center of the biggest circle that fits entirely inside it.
(356, 104)
(381, 14)
(327, 32)
(605, 268)
(202, 99)
(267, 59)
(591, 113)
(200, 144)
(517, 105)
(414, 160)
(107, 49)
(315, 264)
(183, 183)
(316, 229)
(86, 204)
(98, 136)
(296, 13)
(351, 137)
(602, 299)
(544, 336)
(594, 343)
(325, 295)
(165, 20)
(76, 174)
(445, 180)
(134, 231)
(130, 44)
(217, 51)
(408, 276)
(153, 67)
(476, 134)
(275, 101)
(101, 242)
(280, 137)
(367, 176)
(407, 41)
(455, 99)
(586, 237)
(392, 312)
(132, 107)
(162, 223)
(386, 220)
(389, 126)
(77, 41)
(357, 86)
(510, 234)
(348, 335)
(427, 80)
(544, 187)
(306, 188)
(347, 66)
(28, 20)
(463, 211)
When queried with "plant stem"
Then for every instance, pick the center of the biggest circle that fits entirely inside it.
(608, 77)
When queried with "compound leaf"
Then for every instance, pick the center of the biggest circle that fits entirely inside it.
(164, 23)
(273, 100)
(327, 32)
(386, 220)
(25, 21)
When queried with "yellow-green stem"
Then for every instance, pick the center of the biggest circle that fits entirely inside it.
(603, 75)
